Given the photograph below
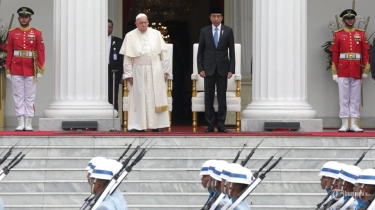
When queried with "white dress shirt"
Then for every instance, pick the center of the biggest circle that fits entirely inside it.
(109, 47)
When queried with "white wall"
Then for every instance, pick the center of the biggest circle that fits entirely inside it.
(43, 20)
(322, 90)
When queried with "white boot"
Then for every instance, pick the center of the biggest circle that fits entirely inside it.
(344, 126)
(354, 127)
(28, 126)
(21, 124)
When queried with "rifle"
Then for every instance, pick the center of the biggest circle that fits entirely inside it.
(333, 203)
(217, 201)
(251, 187)
(324, 201)
(239, 153)
(127, 149)
(213, 197)
(255, 175)
(244, 162)
(362, 156)
(117, 178)
(3, 159)
(12, 164)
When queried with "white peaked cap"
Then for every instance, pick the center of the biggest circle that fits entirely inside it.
(93, 162)
(140, 15)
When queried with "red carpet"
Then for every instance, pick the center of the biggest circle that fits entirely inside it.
(186, 131)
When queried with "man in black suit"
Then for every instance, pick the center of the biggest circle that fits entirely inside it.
(216, 67)
(372, 60)
(115, 61)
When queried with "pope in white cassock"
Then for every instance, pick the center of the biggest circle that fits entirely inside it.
(146, 68)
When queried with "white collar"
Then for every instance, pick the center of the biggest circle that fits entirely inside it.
(213, 27)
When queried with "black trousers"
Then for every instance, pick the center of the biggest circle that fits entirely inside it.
(221, 83)
(110, 87)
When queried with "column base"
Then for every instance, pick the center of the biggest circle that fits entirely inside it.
(54, 124)
(307, 125)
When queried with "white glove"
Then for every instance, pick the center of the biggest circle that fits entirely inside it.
(364, 76)
(9, 76)
(335, 77)
(39, 76)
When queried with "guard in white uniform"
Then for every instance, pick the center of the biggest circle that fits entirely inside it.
(237, 181)
(100, 176)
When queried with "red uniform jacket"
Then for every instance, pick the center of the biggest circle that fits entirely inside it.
(350, 53)
(25, 48)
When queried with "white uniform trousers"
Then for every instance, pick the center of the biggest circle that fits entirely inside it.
(349, 96)
(24, 89)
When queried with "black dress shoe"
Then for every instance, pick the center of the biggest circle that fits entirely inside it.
(135, 130)
(157, 130)
(222, 129)
(209, 129)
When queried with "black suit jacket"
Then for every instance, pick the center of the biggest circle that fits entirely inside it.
(116, 44)
(372, 60)
(209, 57)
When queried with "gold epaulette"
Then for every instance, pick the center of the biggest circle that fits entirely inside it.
(338, 30)
(12, 29)
(360, 30)
(37, 29)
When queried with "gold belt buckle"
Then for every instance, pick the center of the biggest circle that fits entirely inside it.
(351, 55)
(23, 54)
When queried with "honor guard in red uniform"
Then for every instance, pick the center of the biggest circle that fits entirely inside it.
(24, 65)
(350, 64)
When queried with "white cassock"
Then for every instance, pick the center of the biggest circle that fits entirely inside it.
(146, 60)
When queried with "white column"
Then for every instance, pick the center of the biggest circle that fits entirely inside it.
(241, 22)
(80, 64)
(279, 62)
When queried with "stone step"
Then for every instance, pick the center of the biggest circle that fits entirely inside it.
(152, 186)
(58, 198)
(52, 176)
(87, 152)
(153, 174)
(201, 141)
(188, 162)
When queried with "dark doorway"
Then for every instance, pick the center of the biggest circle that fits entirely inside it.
(183, 19)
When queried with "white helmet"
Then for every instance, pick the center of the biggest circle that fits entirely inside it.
(350, 173)
(367, 177)
(326, 167)
(205, 167)
(240, 174)
(93, 162)
(227, 170)
(115, 164)
(106, 170)
(335, 169)
(219, 166)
